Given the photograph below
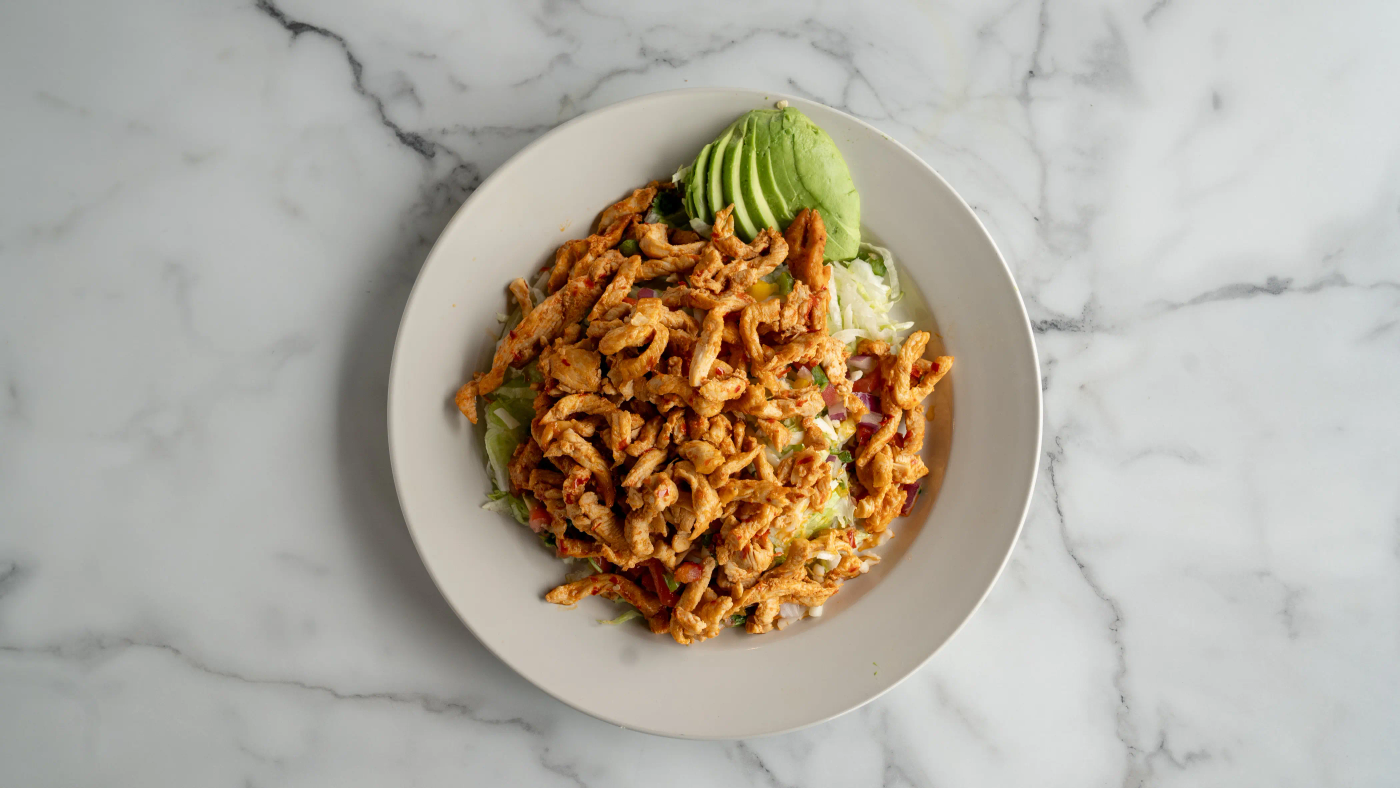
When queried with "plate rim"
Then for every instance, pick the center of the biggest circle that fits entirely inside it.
(769, 96)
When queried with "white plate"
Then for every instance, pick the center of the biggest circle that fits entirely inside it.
(882, 626)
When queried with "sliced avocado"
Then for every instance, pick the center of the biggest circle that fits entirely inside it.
(770, 164)
(763, 121)
(695, 185)
(835, 193)
(808, 171)
(781, 164)
(754, 200)
(714, 189)
(731, 177)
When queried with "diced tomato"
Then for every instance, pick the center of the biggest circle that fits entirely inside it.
(689, 572)
(539, 518)
(863, 432)
(866, 384)
(658, 583)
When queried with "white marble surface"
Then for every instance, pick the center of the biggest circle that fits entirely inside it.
(210, 215)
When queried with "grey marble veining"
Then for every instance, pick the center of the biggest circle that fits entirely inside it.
(210, 217)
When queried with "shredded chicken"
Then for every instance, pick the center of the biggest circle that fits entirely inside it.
(675, 441)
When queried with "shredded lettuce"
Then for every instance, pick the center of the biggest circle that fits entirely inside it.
(514, 505)
(509, 410)
(825, 424)
(882, 263)
(537, 287)
(628, 615)
(865, 298)
(839, 512)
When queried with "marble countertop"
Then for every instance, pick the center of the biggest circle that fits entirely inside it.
(210, 216)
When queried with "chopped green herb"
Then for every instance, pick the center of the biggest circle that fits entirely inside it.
(629, 247)
(843, 455)
(669, 207)
(671, 582)
(738, 619)
(819, 375)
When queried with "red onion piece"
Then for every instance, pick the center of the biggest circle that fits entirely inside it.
(646, 292)
(866, 400)
(863, 363)
(911, 493)
(835, 406)
(873, 419)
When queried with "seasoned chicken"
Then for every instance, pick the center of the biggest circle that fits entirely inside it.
(690, 444)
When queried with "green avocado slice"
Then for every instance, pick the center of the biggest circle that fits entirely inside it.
(695, 205)
(836, 197)
(730, 175)
(783, 168)
(808, 171)
(767, 182)
(714, 190)
(754, 200)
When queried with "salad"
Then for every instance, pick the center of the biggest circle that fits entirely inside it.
(710, 406)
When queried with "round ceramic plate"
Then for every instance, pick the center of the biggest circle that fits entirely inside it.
(945, 556)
